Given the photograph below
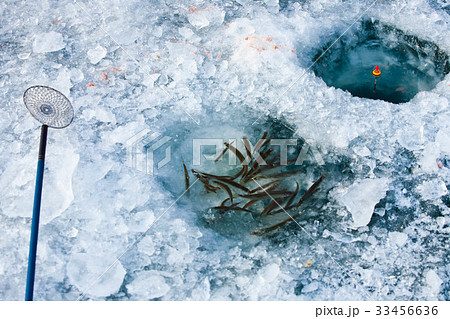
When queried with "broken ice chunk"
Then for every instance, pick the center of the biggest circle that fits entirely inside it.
(270, 272)
(202, 17)
(48, 42)
(186, 32)
(443, 138)
(311, 287)
(63, 163)
(362, 151)
(361, 198)
(87, 273)
(397, 238)
(76, 75)
(97, 54)
(432, 189)
(24, 55)
(148, 285)
(433, 282)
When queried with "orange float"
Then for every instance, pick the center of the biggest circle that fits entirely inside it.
(376, 72)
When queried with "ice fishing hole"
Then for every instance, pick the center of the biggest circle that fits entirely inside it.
(408, 64)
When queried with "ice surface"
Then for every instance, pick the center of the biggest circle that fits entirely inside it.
(97, 54)
(203, 17)
(361, 198)
(433, 282)
(311, 287)
(59, 195)
(148, 285)
(432, 189)
(83, 270)
(224, 66)
(398, 238)
(48, 42)
(76, 75)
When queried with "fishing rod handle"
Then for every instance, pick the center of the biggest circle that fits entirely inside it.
(36, 214)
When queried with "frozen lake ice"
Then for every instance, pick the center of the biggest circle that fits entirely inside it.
(172, 72)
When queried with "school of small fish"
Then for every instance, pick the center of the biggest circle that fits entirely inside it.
(259, 187)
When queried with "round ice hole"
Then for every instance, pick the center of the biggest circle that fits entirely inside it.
(408, 65)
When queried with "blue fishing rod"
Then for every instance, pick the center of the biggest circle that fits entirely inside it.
(52, 109)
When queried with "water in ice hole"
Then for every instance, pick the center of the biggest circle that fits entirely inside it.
(234, 224)
(408, 64)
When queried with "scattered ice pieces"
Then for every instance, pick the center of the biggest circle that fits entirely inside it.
(122, 134)
(102, 115)
(441, 221)
(97, 54)
(361, 198)
(149, 79)
(224, 73)
(202, 17)
(187, 33)
(380, 211)
(76, 75)
(201, 290)
(48, 42)
(372, 240)
(428, 159)
(432, 189)
(443, 138)
(270, 272)
(63, 82)
(146, 246)
(310, 287)
(397, 238)
(272, 5)
(148, 285)
(18, 179)
(58, 179)
(24, 55)
(345, 238)
(433, 282)
(72, 233)
(84, 271)
(362, 150)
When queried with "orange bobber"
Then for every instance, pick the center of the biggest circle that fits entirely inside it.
(376, 72)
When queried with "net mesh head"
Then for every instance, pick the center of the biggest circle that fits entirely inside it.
(48, 106)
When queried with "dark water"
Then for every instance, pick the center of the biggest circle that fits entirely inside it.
(408, 65)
